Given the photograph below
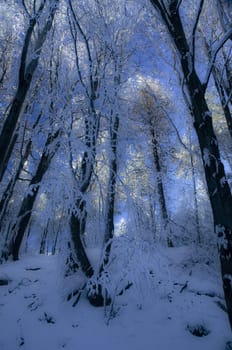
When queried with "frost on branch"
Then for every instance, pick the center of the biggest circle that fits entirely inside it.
(207, 158)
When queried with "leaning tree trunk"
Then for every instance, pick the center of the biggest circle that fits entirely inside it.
(77, 228)
(26, 71)
(218, 188)
(8, 192)
(25, 211)
(5, 200)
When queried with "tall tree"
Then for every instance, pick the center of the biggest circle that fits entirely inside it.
(218, 188)
(99, 56)
(82, 176)
(152, 107)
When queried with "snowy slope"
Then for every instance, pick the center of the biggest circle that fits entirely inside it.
(34, 314)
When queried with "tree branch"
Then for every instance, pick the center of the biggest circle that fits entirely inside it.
(219, 45)
(195, 28)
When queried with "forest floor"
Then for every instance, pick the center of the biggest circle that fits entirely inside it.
(183, 309)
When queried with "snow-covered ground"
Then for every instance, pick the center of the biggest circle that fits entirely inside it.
(183, 297)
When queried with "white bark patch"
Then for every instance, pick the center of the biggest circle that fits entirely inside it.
(222, 181)
(207, 114)
(206, 157)
(221, 237)
(31, 189)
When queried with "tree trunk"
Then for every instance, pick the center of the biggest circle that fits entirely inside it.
(25, 211)
(7, 134)
(79, 214)
(97, 296)
(113, 168)
(196, 206)
(7, 195)
(26, 72)
(77, 227)
(8, 192)
(160, 187)
(44, 238)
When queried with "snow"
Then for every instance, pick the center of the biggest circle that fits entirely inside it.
(206, 157)
(184, 294)
(207, 114)
(221, 237)
(223, 181)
